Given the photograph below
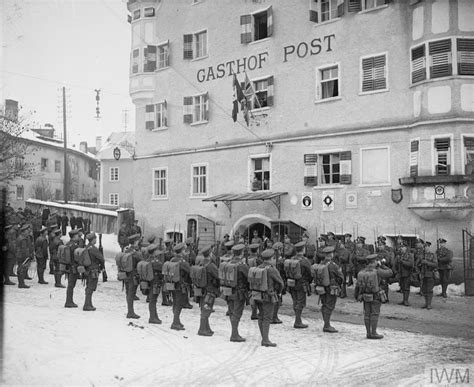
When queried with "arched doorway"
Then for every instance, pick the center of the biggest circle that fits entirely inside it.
(246, 225)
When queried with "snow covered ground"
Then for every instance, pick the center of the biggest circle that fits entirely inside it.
(46, 344)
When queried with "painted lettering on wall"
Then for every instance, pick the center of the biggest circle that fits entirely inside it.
(303, 49)
(232, 67)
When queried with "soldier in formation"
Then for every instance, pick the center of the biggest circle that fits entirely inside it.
(97, 263)
(444, 257)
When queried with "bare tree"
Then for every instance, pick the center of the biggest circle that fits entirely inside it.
(42, 190)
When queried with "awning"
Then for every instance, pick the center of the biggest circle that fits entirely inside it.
(227, 199)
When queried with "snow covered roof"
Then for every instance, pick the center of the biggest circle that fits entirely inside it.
(125, 141)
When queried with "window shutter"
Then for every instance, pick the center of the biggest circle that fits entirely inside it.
(311, 169)
(442, 146)
(440, 56)
(188, 110)
(313, 11)
(367, 78)
(340, 8)
(469, 143)
(246, 29)
(414, 151)
(270, 91)
(167, 49)
(269, 21)
(188, 46)
(418, 64)
(135, 55)
(150, 58)
(465, 56)
(165, 113)
(355, 5)
(346, 167)
(206, 106)
(380, 81)
(129, 19)
(149, 117)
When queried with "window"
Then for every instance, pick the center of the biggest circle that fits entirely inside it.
(324, 10)
(136, 14)
(57, 166)
(469, 155)
(327, 82)
(327, 168)
(360, 5)
(44, 165)
(442, 156)
(156, 116)
(260, 174)
(259, 93)
(440, 58)
(114, 174)
(195, 45)
(196, 109)
(465, 56)
(114, 199)
(256, 26)
(149, 56)
(375, 166)
(135, 60)
(19, 192)
(57, 194)
(199, 180)
(160, 183)
(163, 55)
(149, 12)
(374, 75)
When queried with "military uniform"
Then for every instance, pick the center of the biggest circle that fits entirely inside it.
(156, 257)
(359, 253)
(131, 282)
(73, 274)
(122, 237)
(254, 260)
(53, 256)
(427, 267)
(168, 254)
(180, 290)
(445, 266)
(210, 292)
(22, 254)
(372, 301)
(41, 252)
(9, 254)
(405, 265)
(92, 271)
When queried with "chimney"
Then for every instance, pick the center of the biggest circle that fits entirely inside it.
(98, 143)
(83, 146)
(11, 109)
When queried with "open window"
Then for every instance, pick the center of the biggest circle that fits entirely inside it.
(256, 26)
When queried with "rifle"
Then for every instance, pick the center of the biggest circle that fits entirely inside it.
(101, 249)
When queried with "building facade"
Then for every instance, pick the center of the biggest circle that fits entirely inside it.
(360, 117)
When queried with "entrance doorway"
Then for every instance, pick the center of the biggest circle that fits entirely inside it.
(245, 227)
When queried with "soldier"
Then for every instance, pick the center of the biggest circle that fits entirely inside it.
(131, 282)
(405, 265)
(36, 226)
(288, 248)
(236, 301)
(445, 265)
(210, 292)
(310, 248)
(92, 271)
(329, 299)
(156, 257)
(350, 247)
(189, 253)
(80, 233)
(180, 290)
(122, 236)
(9, 253)
(136, 229)
(31, 250)
(343, 258)
(256, 239)
(269, 298)
(73, 274)
(319, 256)
(332, 241)
(386, 258)
(360, 251)
(427, 267)
(222, 248)
(372, 299)
(301, 286)
(53, 256)
(168, 254)
(41, 252)
(64, 223)
(22, 254)
(253, 261)
(227, 256)
(79, 222)
(280, 266)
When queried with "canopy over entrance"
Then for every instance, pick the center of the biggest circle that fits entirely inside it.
(227, 199)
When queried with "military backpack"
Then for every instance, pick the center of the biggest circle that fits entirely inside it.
(321, 278)
(368, 281)
(258, 279)
(292, 269)
(64, 254)
(124, 263)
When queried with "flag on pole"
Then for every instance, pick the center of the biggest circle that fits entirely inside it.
(238, 97)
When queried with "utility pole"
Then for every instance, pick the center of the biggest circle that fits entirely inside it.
(66, 169)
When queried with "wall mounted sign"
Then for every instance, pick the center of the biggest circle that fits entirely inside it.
(117, 153)
(307, 200)
(327, 199)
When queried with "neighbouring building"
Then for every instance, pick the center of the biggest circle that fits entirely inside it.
(116, 164)
(360, 117)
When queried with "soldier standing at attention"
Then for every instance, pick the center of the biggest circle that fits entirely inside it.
(405, 265)
(64, 223)
(302, 285)
(132, 280)
(253, 261)
(236, 301)
(427, 266)
(279, 264)
(319, 252)
(419, 254)
(445, 265)
(211, 291)
(372, 299)
(156, 257)
(22, 256)
(168, 254)
(180, 291)
(385, 257)
(41, 252)
(350, 247)
(53, 252)
(9, 253)
(92, 271)
(227, 256)
(71, 269)
(310, 248)
(329, 299)
(269, 298)
(122, 236)
(360, 251)
(288, 247)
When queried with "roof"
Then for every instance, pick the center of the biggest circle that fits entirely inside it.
(125, 141)
(244, 196)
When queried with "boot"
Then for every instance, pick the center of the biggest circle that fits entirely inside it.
(21, 281)
(130, 312)
(444, 288)
(367, 327)
(88, 302)
(57, 280)
(165, 299)
(254, 315)
(203, 331)
(208, 327)
(7, 280)
(69, 299)
(176, 325)
(298, 323)
(275, 319)
(266, 341)
(154, 319)
(260, 327)
(428, 301)
(406, 294)
(235, 337)
(41, 277)
(327, 325)
(374, 335)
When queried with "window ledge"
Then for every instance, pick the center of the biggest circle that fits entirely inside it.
(162, 69)
(373, 92)
(158, 198)
(328, 100)
(327, 22)
(436, 179)
(200, 58)
(329, 186)
(113, 181)
(259, 190)
(449, 77)
(198, 123)
(159, 129)
(258, 41)
(375, 185)
(373, 9)
(203, 196)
